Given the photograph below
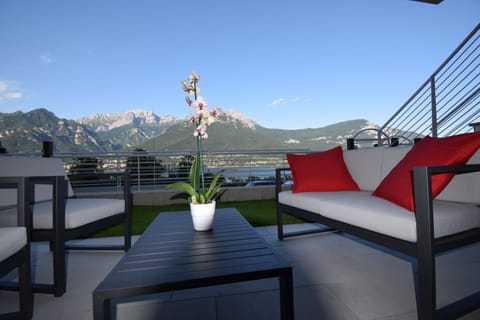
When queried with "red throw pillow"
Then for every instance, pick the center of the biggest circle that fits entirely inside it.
(320, 171)
(397, 186)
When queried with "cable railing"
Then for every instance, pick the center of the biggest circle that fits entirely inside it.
(447, 103)
(89, 172)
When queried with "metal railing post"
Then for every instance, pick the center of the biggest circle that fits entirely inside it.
(434, 106)
(138, 173)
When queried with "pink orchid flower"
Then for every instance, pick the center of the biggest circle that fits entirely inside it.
(201, 131)
(215, 113)
(187, 88)
(200, 103)
(194, 77)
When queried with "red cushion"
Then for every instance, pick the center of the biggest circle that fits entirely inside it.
(397, 186)
(320, 171)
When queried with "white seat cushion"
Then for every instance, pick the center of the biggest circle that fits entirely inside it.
(375, 214)
(12, 240)
(78, 212)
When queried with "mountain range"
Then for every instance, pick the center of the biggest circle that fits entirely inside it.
(125, 131)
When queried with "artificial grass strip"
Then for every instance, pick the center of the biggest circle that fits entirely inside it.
(258, 213)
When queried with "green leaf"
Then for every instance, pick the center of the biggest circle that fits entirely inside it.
(185, 187)
(196, 193)
(194, 173)
(214, 187)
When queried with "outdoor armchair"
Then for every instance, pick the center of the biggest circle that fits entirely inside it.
(57, 216)
(15, 253)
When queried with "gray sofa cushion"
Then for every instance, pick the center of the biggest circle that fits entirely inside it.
(12, 240)
(375, 214)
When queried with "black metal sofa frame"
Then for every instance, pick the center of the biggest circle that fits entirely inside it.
(20, 260)
(59, 235)
(423, 251)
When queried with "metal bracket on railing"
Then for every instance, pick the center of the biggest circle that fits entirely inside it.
(382, 139)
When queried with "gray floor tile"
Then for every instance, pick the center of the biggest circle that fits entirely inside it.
(336, 276)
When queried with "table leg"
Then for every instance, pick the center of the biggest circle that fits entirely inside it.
(286, 295)
(101, 307)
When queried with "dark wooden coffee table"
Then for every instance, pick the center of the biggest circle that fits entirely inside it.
(170, 256)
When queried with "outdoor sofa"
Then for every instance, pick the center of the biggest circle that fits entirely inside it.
(55, 215)
(385, 195)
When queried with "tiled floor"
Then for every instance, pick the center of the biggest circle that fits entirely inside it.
(336, 276)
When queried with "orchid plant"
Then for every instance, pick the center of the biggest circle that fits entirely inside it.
(201, 118)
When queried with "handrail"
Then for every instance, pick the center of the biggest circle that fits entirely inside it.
(154, 170)
(447, 102)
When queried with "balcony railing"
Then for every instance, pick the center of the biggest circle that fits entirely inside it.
(447, 102)
(154, 170)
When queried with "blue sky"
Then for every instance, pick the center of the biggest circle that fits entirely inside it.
(286, 64)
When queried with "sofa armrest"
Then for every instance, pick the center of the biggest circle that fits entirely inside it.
(422, 190)
(427, 245)
(20, 184)
(422, 181)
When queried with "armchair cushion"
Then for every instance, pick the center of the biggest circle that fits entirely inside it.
(78, 212)
(12, 240)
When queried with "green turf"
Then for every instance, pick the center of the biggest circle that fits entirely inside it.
(258, 213)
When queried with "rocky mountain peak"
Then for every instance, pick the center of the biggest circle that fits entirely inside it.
(25, 132)
(234, 116)
(105, 122)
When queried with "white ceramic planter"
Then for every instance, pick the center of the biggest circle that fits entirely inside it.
(202, 216)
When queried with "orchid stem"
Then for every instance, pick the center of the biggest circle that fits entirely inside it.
(200, 177)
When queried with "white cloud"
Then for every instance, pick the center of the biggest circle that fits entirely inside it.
(47, 59)
(3, 86)
(280, 101)
(7, 93)
(13, 95)
(301, 100)
(277, 102)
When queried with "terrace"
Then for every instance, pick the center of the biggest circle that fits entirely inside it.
(336, 276)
